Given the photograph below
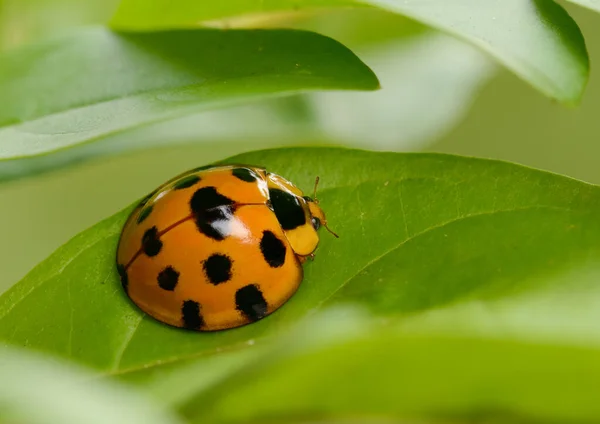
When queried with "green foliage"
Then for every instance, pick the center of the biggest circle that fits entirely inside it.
(34, 390)
(463, 260)
(535, 39)
(591, 4)
(461, 289)
(95, 83)
(441, 74)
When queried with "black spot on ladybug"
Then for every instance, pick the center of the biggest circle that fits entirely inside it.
(273, 249)
(250, 301)
(186, 182)
(287, 208)
(123, 276)
(211, 210)
(213, 223)
(218, 268)
(144, 213)
(245, 174)
(206, 198)
(308, 198)
(168, 278)
(190, 312)
(151, 243)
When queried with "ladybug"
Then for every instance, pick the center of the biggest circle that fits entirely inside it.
(218, 247)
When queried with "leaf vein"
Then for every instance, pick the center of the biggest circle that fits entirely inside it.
(56, 273)
(126, 343)
(70, 302)
(402, 209)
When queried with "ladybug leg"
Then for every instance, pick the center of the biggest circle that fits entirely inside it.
(303, 259)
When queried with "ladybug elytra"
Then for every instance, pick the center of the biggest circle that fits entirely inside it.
(218, 247)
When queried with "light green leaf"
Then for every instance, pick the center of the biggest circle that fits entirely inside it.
(429, 83)
(141, 15)
(536, 39)
(95, 83)
(590, 4)
(25, 21)
(36, 390)
(473, 262)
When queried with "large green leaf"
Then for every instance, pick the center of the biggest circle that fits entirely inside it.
(535, 39)
(473, 263)
(36, 390)
(94, 82)
(429, 81)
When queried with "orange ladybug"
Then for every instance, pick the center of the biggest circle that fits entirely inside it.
(218, 247)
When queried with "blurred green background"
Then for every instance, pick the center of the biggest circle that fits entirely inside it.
(470, 108)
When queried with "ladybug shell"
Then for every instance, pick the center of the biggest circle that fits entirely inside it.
(206, 251)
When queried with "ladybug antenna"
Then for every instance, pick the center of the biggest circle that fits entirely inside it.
(317, 202)
(327, 228)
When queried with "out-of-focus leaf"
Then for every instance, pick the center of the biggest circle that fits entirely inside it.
(423, 372)
(590, 4)
(536, 39)
(94, 83)
(25, 21)
(428, 85)
(36, 390)
(429, 81)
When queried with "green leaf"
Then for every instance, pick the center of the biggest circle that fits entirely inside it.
(590, 4)
(95, 83)
(537, 39)
(393, 372)
(429, 81)
(36, 390)
(25, 21)
(472, 263)
(141, 15)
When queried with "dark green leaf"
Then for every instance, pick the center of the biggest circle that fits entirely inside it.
(536, 39)
(95, 83)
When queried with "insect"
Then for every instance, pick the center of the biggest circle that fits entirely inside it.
(218, 247)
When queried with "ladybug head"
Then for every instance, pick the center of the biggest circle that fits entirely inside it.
(299, 216)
